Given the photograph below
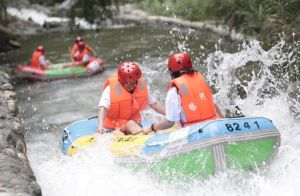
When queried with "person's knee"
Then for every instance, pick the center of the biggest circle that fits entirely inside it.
(118, 132)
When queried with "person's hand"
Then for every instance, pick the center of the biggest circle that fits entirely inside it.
(100, 130)
(146, 130)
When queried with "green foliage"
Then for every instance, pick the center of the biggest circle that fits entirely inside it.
(3, 12)
(92, 10)
(262, 18)
(189, 9)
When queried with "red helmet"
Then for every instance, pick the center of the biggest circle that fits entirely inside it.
(129, 72)
(81, 45)
(78, 39)
(180, 61)
(40, 49)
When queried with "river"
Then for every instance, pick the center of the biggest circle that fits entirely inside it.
(47, 107)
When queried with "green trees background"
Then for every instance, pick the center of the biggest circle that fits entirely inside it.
(264, 19)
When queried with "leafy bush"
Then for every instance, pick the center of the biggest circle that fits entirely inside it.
(265, 18)
(189, 9)
(262, 18)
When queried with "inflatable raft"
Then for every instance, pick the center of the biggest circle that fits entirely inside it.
(198, 150)
(57, 71)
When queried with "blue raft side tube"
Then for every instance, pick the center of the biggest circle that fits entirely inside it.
(210, 129)
(76, 130)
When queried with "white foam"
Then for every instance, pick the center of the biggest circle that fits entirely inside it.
(93, 172)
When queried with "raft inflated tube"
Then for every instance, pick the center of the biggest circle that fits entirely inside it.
(78, 135)
(201, 149)
(81, 143)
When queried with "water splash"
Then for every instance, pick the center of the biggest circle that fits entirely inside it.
(182, 38)
(253, 75)
(248, 78)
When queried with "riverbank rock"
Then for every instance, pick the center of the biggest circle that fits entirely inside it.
(7, 39)
(16, 177)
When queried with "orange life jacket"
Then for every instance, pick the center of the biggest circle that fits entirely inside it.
(35, 63)
(75, 48)
(125, 106)
(196, 98)
(78, 56)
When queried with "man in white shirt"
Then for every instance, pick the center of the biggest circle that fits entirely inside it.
(189, 98)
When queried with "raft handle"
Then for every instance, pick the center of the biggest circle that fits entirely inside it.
(92, 117)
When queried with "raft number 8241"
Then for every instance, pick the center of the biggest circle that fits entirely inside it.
(239, 126)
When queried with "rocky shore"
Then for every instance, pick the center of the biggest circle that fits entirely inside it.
(16, 177)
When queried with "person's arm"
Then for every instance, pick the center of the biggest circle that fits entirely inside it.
(172, 112)
(163, 124)
(71, 55)
(85, 60)
(78, 63)
(44, 63)
(158, 108)
(101, 116)
(104, 105)
(219, 111)
(155, 105)
(91, 49)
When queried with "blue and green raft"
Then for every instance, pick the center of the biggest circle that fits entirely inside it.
(195, 151)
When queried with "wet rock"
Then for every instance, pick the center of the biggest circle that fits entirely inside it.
(4, 78)
(6, 87)
(17, 141)
(8, 94)
(11, 106)
(9, 152)
(4, 191)
(7, 39)
(17, 126)
(3, 111)
(16, 175)
(49, 25)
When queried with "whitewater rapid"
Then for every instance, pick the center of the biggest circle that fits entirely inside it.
(93, 172)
